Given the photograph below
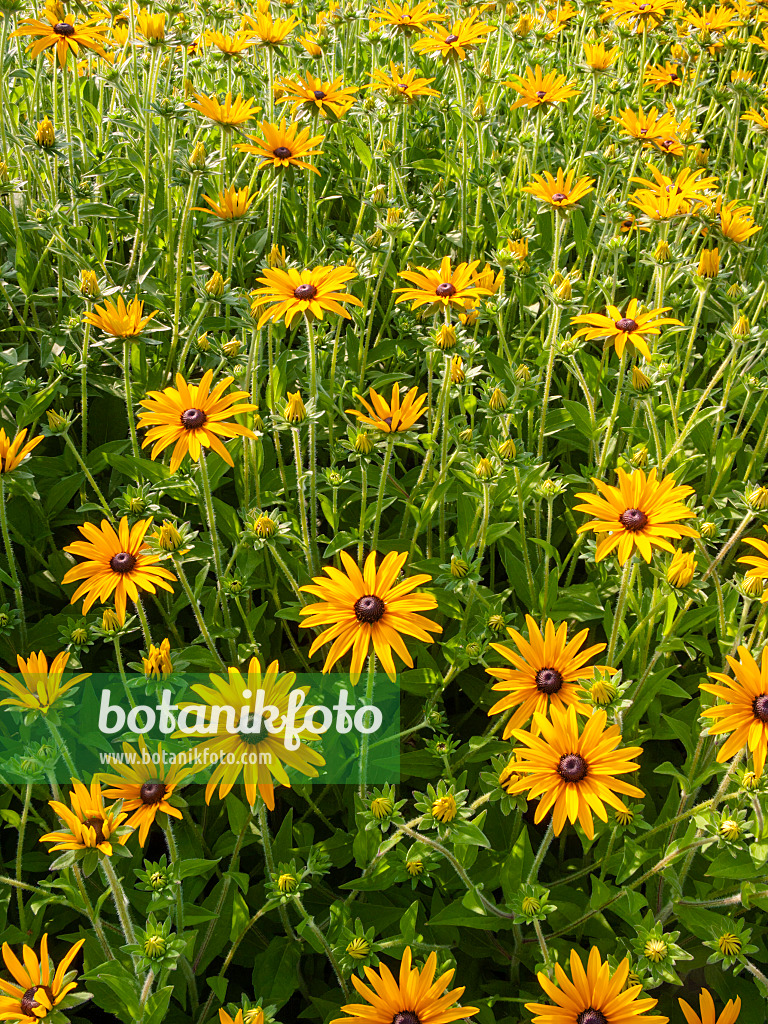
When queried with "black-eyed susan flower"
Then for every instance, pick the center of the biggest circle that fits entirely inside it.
(33, 993)
(416, 997)
(745, 712)
(258, 754)
(315, 95)
(561, 190)
(547, 670)
(536, 89)
(151, 25)
(230, 45)
(121, 319)
(665, 75)
(454, 287)
(193, 417)
(688, 188)
(144, 786)
(63, 35)
(759, 119)
(271, 31)
(709, 262)
(39, 687)
(89, 825)
(118, 563)
(618, 328)
(639, 14)
(227, 114)
(369, 608)
(408, 86)
(646, 126)
(231, 204)
(595, 996)
(598, 57)
(453, 43)
(283, 146)
(572, 772)
(707, 1013)
(712, 20)
(14, 452)
(735, 222)
(759, 562)
(291, 293)
(640, 514)
(391, 417)
(404, 17)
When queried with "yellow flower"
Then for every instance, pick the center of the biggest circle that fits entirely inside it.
(40, 687)
(89, 284)
(33, 993)
(157, 663)
(230, 46)
(144, 785)
(639, 14)
(453, 43)
(14, 452)
(458, 375)
(561, 191)
(283, 147)
(709, 262)
(391, 417)
(151, 26)
(271, 31)
(447, 287)
(120, 319)
(745, 712)
(707, 1013)
(759, 120)
(404, 17)
(167, 537)
(227, 114)
(45, 135)
(537, 90)
(63, 34)
(681, 569)
(291, 293)
(444, 808)
(294, 410)
(599, 58)
(736, 221)
(314, 95)
(381, 806)
(661, 75)
(230, 205)
(406, 86)
(655, 950)
(729, 944)
(88, 825)
(359, 949)
(619, 328)
(645, 127)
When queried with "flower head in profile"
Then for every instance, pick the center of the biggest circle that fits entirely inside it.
(619, 328)
(405, 18)
(573, 772)
(144, 786)
(407, 86)
(231, 204)
(707, 1013)
(536, 89)
(687, 190)
(598, 995)
(745, 712)
(14, 452)
(192, 417)
(560, 191)
(454, 287)
(89, 825)
(39, 687)
(259, 754)
(316, 96)
(63, 35)
(271, 31)
(118, 563)
(546, 670)
(416, 997)
(645, 126)
(120, 319)
(598, 57)
(291, 293)
(758, 562)
(228, 114)
(453, 43)
(391, 417)
(662, 76)
(34, 992)
(282, 146)
(735, 221)
(367, 608)
(639, 14)
(640, 514)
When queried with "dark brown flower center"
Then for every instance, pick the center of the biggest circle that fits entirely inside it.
(305, 292)
(673, 77)
(64, 29)
(369, 608)
(626, 325)
(548, 680)
(405, 1017)
(282, 152)
(591, 1016)
(122, 562)
(448, 39)
(28, 1002)
(387, 420)
(444, 289)
(193, 419)
(633, 519)
(96, 825)
(541, 94)
(152, 792)
(319, 94)
(558, 197)
(760, 707)
(573, 768)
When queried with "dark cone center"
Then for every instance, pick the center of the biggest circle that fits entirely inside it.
(405, 1017)
(591, 1016)
(96, 825)
(540, 94)
(444, 289)
(558, 197)
(193, 419)
(548, 680)
(64, 29)
(369, 608)
(28, 1002)
(633, 519)
(152, 792)
(305, 292)
(282, 153)
(448, 39)
(626, 325)
(760, 708)
(319, 94)
(387, 420)
(122, 562)
(573, 768)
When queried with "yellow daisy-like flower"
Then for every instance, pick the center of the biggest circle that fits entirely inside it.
(271, 31)
(119, 563)
(157, 664)
(595, 996)
(120, 319)
(151, 26)
(281, 146)
(89, 824)
(619, 328)
(758, 562)
(547, 671)
(143, 786)
(227, 114)
(598, 57)
(391, 417)
(645, 127)
(257, 754)
(573, 773)
(230, 46)
(761, 40)
(712, 20)
(662, 76)
(193, 417)
(404, 17)
(315, 95)
(447, 287)
(536, 89)
(35, 993)
(291, 293)
(369, 608)
(230, 205)
(14, 452)
(453, 43)
(735, 221)
(639, 14)
(687, 189)
(639, 514)
(40, 687)
(416, 997)
(745, 712)
(707, 1014)
(758, 119)
(62, 34)
(407, 86)
(560, 191)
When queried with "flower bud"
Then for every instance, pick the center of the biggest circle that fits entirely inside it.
(381, 807)
(379, 196)
(702, 156)
(232, 348)
(264, 526)
(203, 343)
(294, 409)
(484, 469)
(734, 291)
(57, 423)
(45, 135)
(415, 867)
(459, 567)
(522, 374)
(215, 286)
(681, 569)
(531, 905)
(394, 217)
(109, 621)
(708, 529)
(709, 262)
(507, 450)
(444, 808)
(197, 157)
(758, 498)
(752, 587)
(498, 400)
(445, 338)
(89, 284)
(277, 257)
(639, 457)
(497, 623)
(376, 238)
(359, 949)
(457, 370)
(466, 435)
(363, 442)
(729, 829)
(640, 382)
(603, 692)
(662, 253)
(168, 537)
(741, 328)
(287, 883)
(154, 947)
(479, 111)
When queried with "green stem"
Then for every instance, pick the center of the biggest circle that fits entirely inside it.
(12, 563)
(208, 496)
(382, 487)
